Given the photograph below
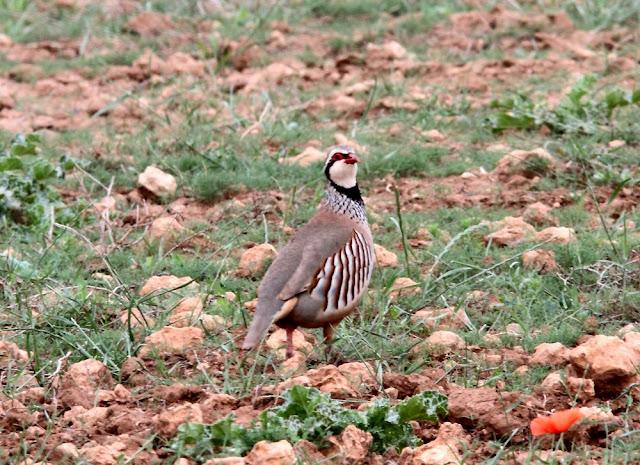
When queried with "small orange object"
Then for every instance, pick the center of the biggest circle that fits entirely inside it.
(555, 423)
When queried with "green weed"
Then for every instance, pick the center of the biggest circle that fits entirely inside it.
(27, 195)
(581, 111)
(311, 415)
(603, 14)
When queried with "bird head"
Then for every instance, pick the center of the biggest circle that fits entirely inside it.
(341, 166)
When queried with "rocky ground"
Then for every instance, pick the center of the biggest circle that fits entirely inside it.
(502, 187)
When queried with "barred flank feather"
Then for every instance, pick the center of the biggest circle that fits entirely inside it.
(345, 275)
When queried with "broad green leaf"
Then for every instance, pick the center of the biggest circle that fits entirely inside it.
(581, 88)
(11, 163)
(43, 170)
(428, 405)
(614, 99)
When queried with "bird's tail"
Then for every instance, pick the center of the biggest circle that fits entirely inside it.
(267, 312)
(262, 319)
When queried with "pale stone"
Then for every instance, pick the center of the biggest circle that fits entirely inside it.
(271, 453)
(538, 213)
(384, 257)
(447, 339)
(80, 383)
(253, 260)
(165, 228)
(166, 423)
(172, 340)
(434, 135)
(157, 283)
(608, 360)
(307, 157)
(511, 231)
(550, 354)
(434, 318)
(157, 181)
(67, 451)
(514, 330)
(404, 286)
(556, 235)
(540, 260)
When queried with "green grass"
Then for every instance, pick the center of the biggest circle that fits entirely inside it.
(600, 14)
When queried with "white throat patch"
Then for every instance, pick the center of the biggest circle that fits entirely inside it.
(343, 175)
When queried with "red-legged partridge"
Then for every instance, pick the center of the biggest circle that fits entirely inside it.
(319, 277)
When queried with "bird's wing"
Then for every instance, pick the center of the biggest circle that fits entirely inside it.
(308, 272)
(340, 278)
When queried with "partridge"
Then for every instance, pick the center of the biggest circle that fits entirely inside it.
(319, 277)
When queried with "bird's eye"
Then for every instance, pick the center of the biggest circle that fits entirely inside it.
(338, 156)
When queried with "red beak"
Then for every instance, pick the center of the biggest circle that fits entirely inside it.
(352, 159)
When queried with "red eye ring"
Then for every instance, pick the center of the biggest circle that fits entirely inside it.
(339, 156)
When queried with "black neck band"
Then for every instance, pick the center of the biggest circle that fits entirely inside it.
(352, 192)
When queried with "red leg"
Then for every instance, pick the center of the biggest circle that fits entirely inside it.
(289, 342)
(327, 332)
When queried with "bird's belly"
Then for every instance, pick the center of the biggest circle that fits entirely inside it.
(311, 313)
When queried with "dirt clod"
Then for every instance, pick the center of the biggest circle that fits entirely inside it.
(308, 156)
(540, 260)
(527, 163)
(157, 181)
(538, 213)
(384, 257)
(446, 448)
(510, 231)
(81, 382)
(255, 259)
(172, 340)
(403, 286)
(554, 353)
(500, 413)
(271, 453)
(149, 23)
(329, 379)
(436, 318)
(610, 362)
(168, 283)
(166, 423)
(10, 353)
(556, 235)
(165, 229)
(352, 445)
